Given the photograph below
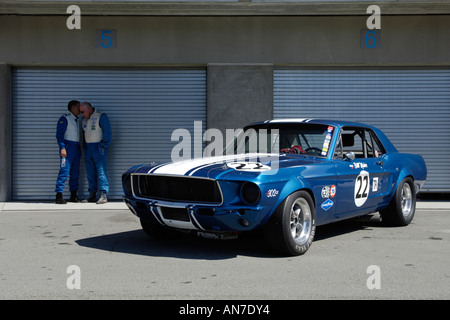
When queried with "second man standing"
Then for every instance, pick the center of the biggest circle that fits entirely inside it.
(97, 138)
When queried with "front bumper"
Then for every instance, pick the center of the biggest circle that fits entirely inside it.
(197, 217)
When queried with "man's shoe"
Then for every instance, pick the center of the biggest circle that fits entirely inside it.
(59, 198)
(92, 197)
(102, 199)
(74, 197)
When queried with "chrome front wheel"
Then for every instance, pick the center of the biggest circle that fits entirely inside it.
(301, 221)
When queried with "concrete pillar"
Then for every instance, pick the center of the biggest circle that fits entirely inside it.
(5, 132)
(239, 94)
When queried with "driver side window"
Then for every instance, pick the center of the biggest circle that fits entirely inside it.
(361, 141)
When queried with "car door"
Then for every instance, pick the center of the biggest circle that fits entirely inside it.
(361, 179)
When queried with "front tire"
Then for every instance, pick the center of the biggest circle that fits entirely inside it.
(402, 207)
(292, 227)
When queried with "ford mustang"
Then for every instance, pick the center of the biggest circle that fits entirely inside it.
(284, 177)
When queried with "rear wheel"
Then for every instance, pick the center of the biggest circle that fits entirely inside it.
(292, 227)
(403, 205)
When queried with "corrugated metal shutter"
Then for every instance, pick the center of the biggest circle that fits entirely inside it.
(144, 107)
(412, 106)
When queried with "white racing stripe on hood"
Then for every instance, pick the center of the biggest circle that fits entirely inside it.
(183, 167)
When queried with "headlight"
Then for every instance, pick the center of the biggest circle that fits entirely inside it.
(250, 193)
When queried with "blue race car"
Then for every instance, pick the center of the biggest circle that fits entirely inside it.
(283, 176)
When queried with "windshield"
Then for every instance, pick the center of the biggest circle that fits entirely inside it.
(279, 138)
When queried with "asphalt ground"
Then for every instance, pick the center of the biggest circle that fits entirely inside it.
(89, 251)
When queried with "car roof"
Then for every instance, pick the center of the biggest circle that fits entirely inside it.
(337, 123)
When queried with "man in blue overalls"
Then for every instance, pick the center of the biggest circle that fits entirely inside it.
(68, 138)
(97, 138)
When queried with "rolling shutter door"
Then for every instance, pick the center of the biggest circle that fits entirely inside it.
(412, 107)
(144, 108)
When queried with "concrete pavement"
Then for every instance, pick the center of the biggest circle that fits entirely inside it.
(117, 260)
(46, 206)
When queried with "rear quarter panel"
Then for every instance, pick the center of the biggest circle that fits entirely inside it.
(402, 165)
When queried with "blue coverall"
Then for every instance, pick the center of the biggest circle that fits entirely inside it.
(95, 157)
(72, 161)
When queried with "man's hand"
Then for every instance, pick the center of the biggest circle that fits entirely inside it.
(63, 153)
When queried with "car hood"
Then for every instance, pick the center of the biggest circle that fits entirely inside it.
(240, 165)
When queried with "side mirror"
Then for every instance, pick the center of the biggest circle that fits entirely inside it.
(349, 156)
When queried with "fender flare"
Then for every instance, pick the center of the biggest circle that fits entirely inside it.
(404, 173)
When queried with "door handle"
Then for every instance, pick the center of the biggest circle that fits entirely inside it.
(380, 163)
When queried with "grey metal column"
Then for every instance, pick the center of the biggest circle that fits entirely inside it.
(5, 132)
(239, 94)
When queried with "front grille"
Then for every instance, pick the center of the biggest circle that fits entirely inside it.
(177, 189)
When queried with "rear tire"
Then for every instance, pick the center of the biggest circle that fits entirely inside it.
(292, 227)
(400, 211)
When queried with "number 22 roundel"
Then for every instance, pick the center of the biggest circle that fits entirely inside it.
(361, 193)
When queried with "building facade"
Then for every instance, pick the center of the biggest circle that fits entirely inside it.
(155, 67)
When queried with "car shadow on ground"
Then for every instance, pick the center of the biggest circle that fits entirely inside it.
(188, 246)
(339, 228)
